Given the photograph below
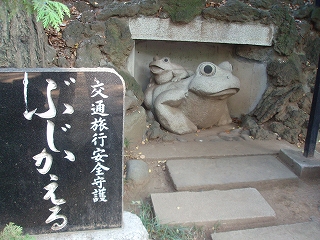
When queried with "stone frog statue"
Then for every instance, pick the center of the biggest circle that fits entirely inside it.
(198, 101)
(165, 71)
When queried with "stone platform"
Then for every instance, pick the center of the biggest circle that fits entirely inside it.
(297, 231)
(227, 173)
(132, 229)
(237, 206)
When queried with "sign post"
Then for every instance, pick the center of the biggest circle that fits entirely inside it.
(61, 149)
(314, 119)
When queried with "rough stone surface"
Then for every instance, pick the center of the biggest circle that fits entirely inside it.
(148, 28)
(89, 52)
(137, 171)
(235, 11)
(132, 229)
(298, 231)
(131, 101)
(154, 131)
(121, 9)
(315, 18)
(135, 125)
(312, 49)
(133, 86)
(274, 100)
(227, 173)
(184, 10)
(287, 34)
(149, 7)
(258, 53)
(284, 73)
(120, 44)
(244, 205)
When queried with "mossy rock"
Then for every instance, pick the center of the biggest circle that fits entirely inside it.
(120, 9)
(183, 11)
(287, 33)
(315, 18)
(149, 7)
(236, 11)
(266, 4)
(284, 73)
(131, 84)
(119, 41)
(312, 50)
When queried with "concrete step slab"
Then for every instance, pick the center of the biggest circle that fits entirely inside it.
(297, 231)
(228, 173)
(202, 149)
(230, 207)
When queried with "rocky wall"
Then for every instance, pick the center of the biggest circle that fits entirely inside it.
(98, 35)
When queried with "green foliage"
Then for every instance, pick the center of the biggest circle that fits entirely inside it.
(50, 13)
(126, 143)
(13, 232)
(166, 232)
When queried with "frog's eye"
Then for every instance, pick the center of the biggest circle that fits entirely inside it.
(166, 59)
(208, 69)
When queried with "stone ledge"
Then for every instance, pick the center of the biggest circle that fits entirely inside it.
(148, 28)
(132, 229)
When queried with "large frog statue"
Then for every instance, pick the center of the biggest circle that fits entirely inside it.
(198, 101)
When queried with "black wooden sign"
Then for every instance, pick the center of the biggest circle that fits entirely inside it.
(61, 149)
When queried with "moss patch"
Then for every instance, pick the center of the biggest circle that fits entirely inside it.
(119, 42)
(183, 11)
(287, 34)
(131, 84)
(235, 11)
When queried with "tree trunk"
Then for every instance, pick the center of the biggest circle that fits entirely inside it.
(22, 40)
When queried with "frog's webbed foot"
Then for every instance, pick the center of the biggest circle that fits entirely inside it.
(169, 115)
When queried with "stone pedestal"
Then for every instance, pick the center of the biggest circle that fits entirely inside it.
(132, 229)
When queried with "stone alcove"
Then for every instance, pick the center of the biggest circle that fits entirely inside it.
(200, 41)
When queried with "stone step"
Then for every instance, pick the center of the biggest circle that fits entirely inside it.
(228, 173)
(204, 148)
(228, 208)
(297, 231)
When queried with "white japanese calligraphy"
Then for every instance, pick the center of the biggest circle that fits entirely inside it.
(55, 210)
(99, 109)
(99, 139)
(70, 156)
(52, 109)
(99, 195)
(48, 161)
(97, 89)
(50, 139)
(51, 187)
(28, 115)
(69, 109)
(99, 124)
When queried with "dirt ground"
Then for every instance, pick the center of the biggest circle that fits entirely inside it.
(292, 202)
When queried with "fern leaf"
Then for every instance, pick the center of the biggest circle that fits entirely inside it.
(50, 13)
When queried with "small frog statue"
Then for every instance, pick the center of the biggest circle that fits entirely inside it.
(165, 71)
